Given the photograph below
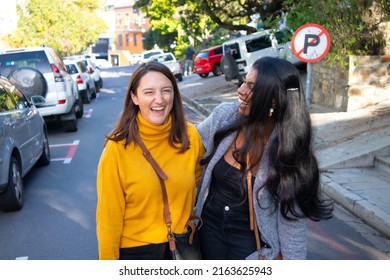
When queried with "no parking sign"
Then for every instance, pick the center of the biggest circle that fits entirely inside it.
(310, 42)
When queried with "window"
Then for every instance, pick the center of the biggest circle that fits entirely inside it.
(120, 41)
(135, 40)
(218, 50)
(259, 43)
(6, 101)
(36, 59)
(234, 50)
(72, 69)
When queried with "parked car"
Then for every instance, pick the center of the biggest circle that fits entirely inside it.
(208, 60)
(23, 143)
(94, 72)
(247, 49)
(80, 74)
(40, 71)
(135, 59)
(103, 63)
(169, 60)
(146, 55)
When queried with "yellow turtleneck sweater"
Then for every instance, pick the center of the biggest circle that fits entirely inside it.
(130, 207)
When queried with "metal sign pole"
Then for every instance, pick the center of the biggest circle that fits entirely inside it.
(308, 83)
(310, 43)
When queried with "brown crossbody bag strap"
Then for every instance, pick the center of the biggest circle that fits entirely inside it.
(252, 214)
(161, 176)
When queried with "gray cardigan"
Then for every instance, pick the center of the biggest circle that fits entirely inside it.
(281, 234)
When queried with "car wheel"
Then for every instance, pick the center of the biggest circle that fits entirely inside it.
(79, 107)
(100, 83)
(205, 75)
(70, 125)
(93, 94)
(12, 198)
(45, 156)
(97, 86)
(29, 80)
(179, 77)
(87, 97)
(217, 71)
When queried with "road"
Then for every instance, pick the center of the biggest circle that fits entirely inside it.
(57, 221)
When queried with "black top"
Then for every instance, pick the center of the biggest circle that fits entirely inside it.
(228, 185)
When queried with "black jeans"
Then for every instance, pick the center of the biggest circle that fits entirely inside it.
(225, 233)
(147, 252)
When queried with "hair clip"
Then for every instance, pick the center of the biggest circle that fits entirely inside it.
(292, 89)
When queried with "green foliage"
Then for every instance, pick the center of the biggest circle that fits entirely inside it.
(163, 41)
(354, 25)
(67, 26)
(180, 24)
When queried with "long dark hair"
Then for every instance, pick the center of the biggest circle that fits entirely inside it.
(293, 175)
(126, 126)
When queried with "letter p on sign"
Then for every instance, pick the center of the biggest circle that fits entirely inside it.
(310, 42)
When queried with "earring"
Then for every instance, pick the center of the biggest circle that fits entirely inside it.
(270, 112)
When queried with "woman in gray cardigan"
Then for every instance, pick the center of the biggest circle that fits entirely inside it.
(267, 136)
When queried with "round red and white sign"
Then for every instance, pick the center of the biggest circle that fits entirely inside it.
(310, 42)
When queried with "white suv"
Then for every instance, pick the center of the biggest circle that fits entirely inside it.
(85, 83)
(169, 60)
(95, 73)
(40, 72)
(146, 55)
(245, 50)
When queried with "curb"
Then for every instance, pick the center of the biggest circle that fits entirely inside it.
(363, 209)
(196, 105)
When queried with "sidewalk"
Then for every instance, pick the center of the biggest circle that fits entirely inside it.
(352, 148)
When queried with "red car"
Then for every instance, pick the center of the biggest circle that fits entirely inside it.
(209, 60)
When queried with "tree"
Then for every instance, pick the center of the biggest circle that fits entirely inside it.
(235, 15)
(178, 23)
(68, 26)
(356, 26)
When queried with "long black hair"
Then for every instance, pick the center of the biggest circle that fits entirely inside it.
(293, 174)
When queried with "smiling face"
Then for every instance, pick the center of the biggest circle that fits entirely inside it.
(245, 92)
(154, 97)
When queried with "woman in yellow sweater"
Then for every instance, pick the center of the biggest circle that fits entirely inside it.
(129, 216)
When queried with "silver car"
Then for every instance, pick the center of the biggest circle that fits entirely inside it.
(23, 143)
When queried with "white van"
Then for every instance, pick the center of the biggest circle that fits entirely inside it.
(247, 49)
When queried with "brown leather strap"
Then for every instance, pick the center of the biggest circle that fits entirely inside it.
(161, 177)
(149, 157)
(252, 214)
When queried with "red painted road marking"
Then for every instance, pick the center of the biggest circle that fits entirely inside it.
(72, 150)
(329, 240)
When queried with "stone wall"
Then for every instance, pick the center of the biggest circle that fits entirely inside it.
(366, 82)
(329, 86)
